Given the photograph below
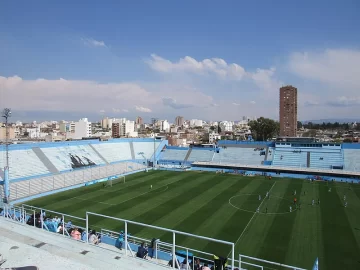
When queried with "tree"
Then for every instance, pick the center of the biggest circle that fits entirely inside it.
(299, 125)
(219, 129)
(263, 129)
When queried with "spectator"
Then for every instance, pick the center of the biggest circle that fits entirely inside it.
(94, 238)
(142, 252)
(75, 234)
(120, 240)
(152, 248)
(68, 225)
(206, 267)
(197, 265)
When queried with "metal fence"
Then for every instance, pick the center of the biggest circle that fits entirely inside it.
(31, 187)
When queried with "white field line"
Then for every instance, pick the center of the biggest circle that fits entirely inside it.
(247, 225)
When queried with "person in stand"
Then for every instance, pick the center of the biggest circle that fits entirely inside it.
(142, 252)
(120, 241)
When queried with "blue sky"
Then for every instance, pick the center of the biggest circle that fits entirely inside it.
(210, 60)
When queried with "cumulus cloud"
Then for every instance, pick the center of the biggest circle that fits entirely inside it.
(252, 102)
(102, 111)
(174, 104)
(345, 102)
(213, 66)
(236, 104)
(142, 109)
(214, 105)
(336, 66)
(93, 42)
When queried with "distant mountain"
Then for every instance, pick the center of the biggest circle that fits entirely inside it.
(341, 120)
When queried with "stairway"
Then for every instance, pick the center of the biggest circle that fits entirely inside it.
(45, 160)
(132, 150)
(187, 156)
(2, 176)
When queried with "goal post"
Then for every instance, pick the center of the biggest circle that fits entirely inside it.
(114, 181)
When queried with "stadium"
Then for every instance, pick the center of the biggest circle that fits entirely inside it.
(238, 204)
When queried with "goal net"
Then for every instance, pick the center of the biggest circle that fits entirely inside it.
(111, 182)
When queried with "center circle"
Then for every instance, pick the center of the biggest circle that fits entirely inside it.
(274, 205)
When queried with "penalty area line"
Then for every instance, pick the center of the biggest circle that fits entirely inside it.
(247, 225)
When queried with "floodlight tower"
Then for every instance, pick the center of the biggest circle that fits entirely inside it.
(6, 114)
(153, 121)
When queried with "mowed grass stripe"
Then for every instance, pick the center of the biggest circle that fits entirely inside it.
(340, 247)
(98, 196)
(131, 181)
(153, 207)
(275, 243)
(197, 219)
(353, 211)
(186, 193)
(193, 205)
(231, 225)
(306, 236)
(129, 208)
(252, 240)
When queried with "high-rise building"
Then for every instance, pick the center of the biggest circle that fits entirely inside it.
(179, 121)
(123, 128)
(139, 121)
(82, 128)
(288, 111)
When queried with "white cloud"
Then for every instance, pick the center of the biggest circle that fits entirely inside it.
(142, 109)
(71, 95)
(215, 66)
(263, 78)
(125, 110)
(236, 104)
(102, 111)
(336, 66)
(252, 102)
(93, 43)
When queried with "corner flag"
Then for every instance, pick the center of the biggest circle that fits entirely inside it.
(316, 264)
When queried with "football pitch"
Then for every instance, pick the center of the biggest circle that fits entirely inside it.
(224, 206)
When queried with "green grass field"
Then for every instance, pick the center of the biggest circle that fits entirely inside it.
(224, 206)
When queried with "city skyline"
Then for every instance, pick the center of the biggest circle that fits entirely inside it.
(220, 64)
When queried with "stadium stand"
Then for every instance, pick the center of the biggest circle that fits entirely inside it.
(352, 159)
(201, 155)
(173, 154)
(24, 164)
(24, 246)
(246, 156)
(145, 147)
(326, 160)
(114, 152)
(287, 158)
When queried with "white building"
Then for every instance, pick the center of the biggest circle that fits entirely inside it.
(226, 126)
(33, 132)
(82, 128)
(196, 123)
(213, 137)
(165, 125)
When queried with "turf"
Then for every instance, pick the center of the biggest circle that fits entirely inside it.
(223, 206)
